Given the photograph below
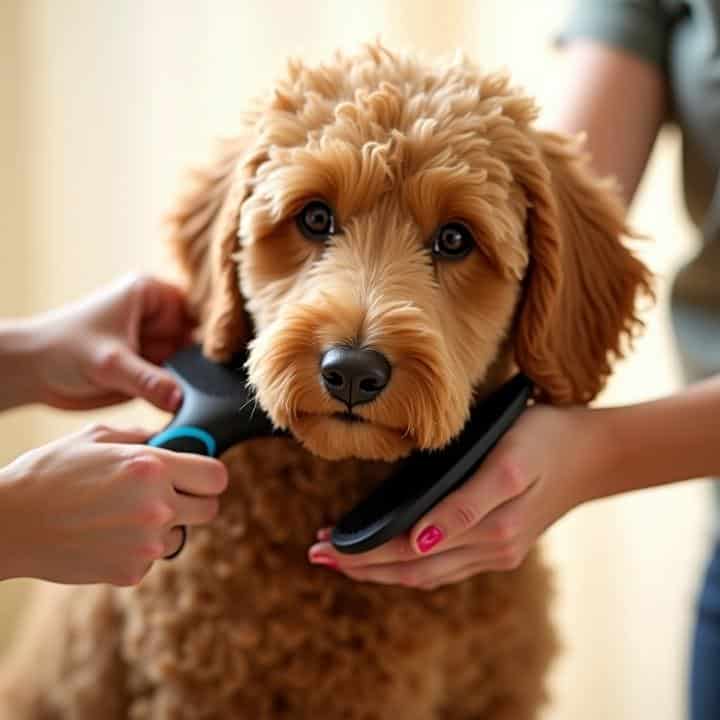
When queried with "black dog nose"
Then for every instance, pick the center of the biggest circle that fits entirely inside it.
(354, 375)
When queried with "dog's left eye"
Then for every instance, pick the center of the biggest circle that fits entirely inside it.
(453, 241)
(316, 221)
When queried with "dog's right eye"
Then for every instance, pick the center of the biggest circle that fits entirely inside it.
(452, 241)
(316, 221)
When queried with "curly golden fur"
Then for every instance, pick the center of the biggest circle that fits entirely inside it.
(241, 626)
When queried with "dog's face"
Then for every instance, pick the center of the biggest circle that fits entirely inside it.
(395, 233)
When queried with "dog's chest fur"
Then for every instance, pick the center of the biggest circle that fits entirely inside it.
(243, 612)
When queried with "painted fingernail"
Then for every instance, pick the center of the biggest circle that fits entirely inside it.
(323, 534)
(324, 560)
(429, 538)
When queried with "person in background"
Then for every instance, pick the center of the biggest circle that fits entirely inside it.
(629, 66)
(98, 505)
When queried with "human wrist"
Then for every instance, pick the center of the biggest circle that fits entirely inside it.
(626, 452)
(21, 352)
(599, 457)
(671, 439)
(16, 559)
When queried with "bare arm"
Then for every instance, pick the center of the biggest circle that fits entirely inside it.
(19, 384)
(673, 438)
(618, 99)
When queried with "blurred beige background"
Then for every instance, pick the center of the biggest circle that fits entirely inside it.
(104, 101)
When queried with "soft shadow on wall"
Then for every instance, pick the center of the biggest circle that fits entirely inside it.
(107, 102)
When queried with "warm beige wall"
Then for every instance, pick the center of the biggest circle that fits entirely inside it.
(17, 428)
(15, 252)
(104, 101)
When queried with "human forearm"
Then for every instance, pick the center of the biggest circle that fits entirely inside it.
(18, 362)
(18, 559)
(658, 442)
(618, 100)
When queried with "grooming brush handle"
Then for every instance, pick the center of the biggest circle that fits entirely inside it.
(186, 438)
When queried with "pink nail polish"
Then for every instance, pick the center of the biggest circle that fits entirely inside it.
(324, 560)
(323, 534)
(428, 538)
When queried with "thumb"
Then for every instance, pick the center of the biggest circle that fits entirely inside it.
(498, 480)
(130, 374)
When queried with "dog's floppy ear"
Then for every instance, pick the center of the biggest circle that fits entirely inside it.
(578, 306)
(203, 228)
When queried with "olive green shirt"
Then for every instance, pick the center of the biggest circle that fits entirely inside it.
(683, 40)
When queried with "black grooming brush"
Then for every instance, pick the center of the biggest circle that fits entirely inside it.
(218, 412)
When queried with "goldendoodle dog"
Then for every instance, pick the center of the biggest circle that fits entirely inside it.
(406, 212)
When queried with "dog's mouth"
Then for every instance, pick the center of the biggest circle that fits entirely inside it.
(348, 417)
(352, 419)
(344, 434)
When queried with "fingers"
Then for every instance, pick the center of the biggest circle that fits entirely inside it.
(163, 305)
(141, 555)
(119, 369)
(182, 474)
(101, 400)
(399, 550)
(429, 572)
(459, 574)
(421, 573)
(189, 474)
(499, 543)
(194, 510)
(396, 550)
(499, 480)
(101, 433)
(194, 474)
(165, 321)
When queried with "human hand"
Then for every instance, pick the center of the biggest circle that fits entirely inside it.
(543, 467)
(97, 507)
(106, 348)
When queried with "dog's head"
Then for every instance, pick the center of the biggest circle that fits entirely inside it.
(390, 237)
